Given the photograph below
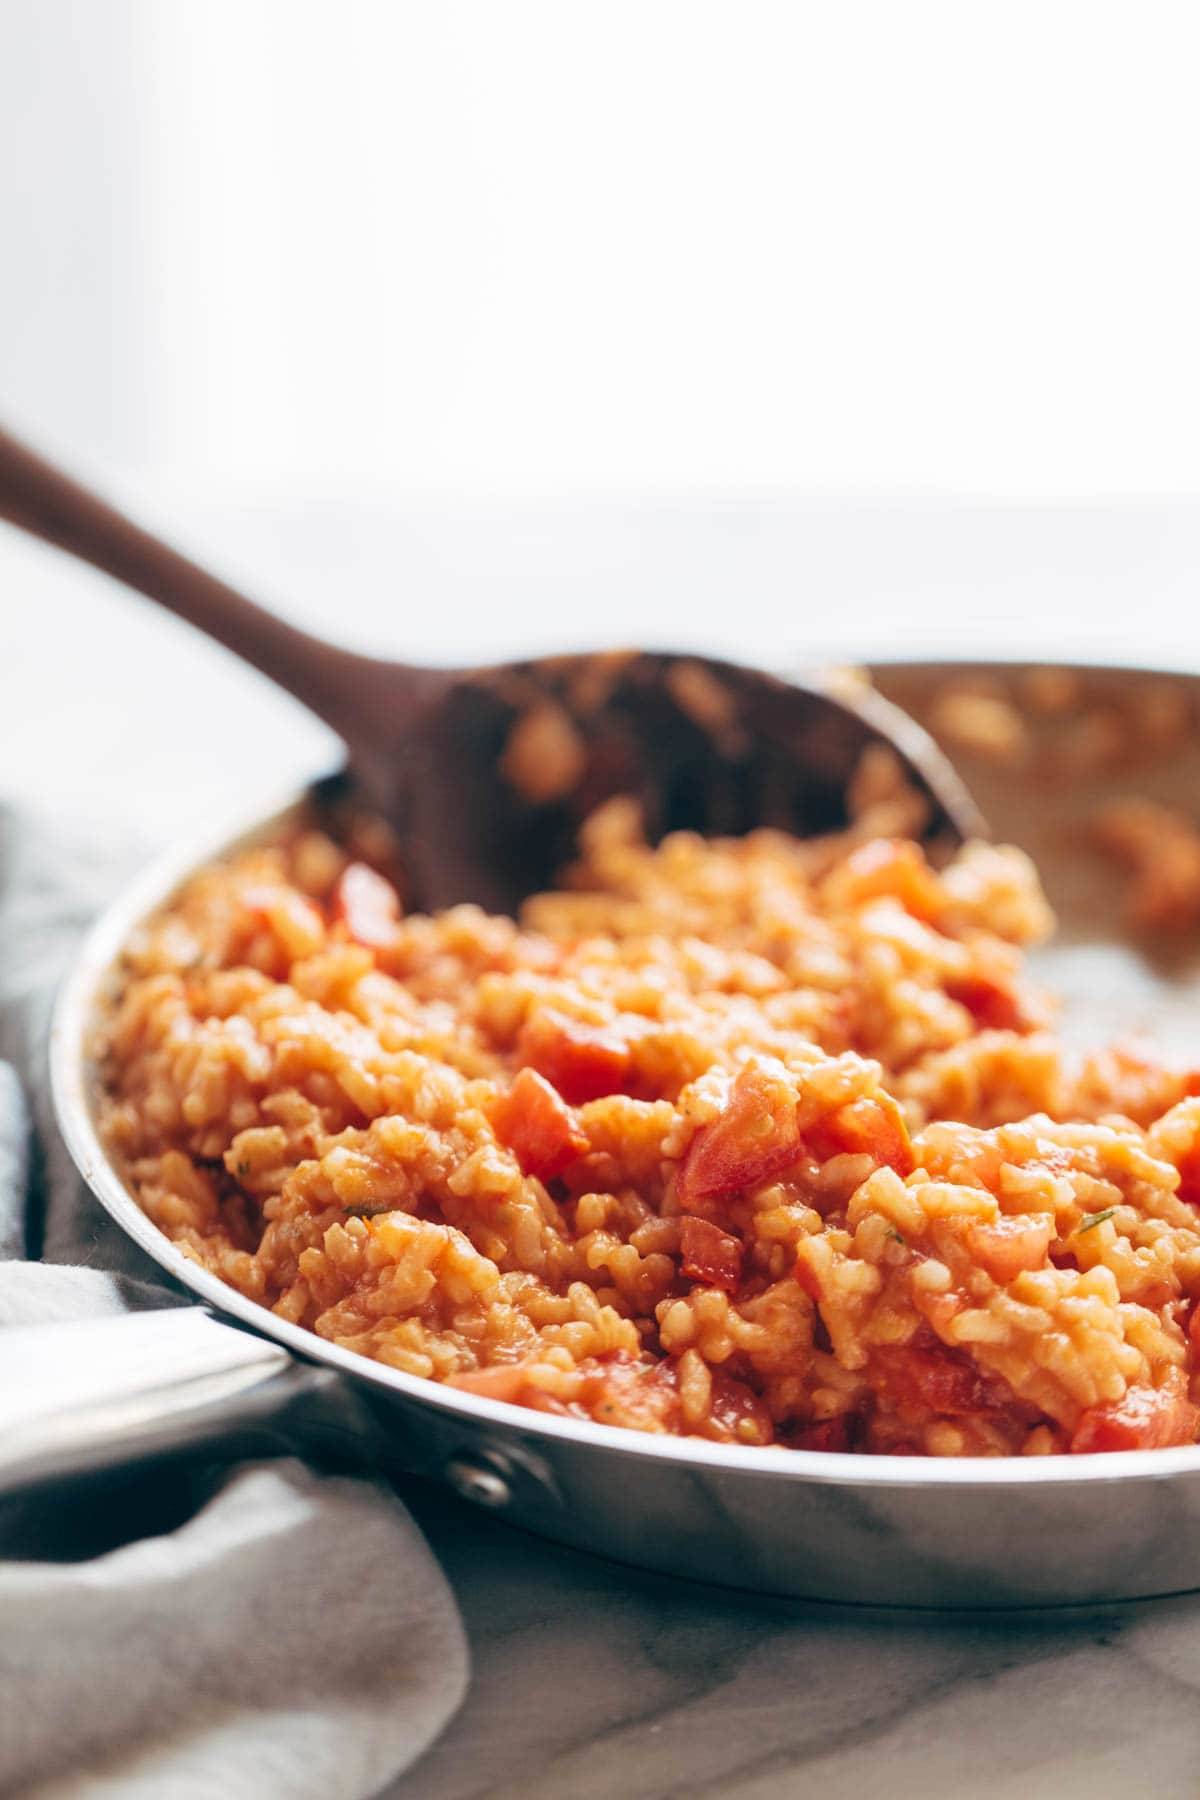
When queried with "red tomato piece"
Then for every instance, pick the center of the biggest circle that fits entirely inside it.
(538, 1126)
(1189, 1175)
(865, 1127)
(890, 867)
(737, 1414)
(1008, 1245)
(644, 1397)
(1191, 1326)
(1146, 1418)
(932, 1379)
(830, 1434)
(584, 1062)
(368, 905)
(710, 1255)
(754, 1138)
(993, 1003)
(504, 1381)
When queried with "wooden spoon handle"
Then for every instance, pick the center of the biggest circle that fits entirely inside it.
(41, 499)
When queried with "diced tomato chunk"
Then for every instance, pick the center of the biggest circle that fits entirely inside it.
(1007, 1246)
(830, 1434)
(517, 1383)
(1191, 1326)
(368, 905)
(1145, 1418)
(889, 867)
(992, 1002)
(583, 1061)
(1189, 1175)
(710, 1254)
(864, 1127)
(644, 1397)
(737, 1414)
(754, 1138)
(538, 1126)
(504, 1381)
(932, 1379)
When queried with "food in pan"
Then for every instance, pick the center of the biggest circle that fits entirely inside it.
(1159, 846)
(1073, 724)
(766, 1141)
(1069, 726)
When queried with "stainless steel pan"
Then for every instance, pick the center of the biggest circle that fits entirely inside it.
(842, 1527)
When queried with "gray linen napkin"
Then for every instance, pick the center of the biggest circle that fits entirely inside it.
(260, 1630)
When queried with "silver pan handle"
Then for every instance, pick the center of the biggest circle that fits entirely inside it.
(102, 1393)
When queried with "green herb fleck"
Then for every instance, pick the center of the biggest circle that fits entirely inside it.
(240, 1169)
(894, 1234)
(367, 1212)
(1090, 1219)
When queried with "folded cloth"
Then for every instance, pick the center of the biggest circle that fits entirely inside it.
(255, 1630)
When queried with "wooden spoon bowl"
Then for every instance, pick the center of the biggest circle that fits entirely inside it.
(486, 774)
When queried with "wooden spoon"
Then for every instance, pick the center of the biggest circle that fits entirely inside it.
(486, 774)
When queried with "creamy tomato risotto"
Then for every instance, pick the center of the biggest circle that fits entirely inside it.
(765, 1141)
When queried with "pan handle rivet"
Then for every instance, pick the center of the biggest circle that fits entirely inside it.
(476, 1481)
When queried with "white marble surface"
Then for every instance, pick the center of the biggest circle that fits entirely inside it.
(591, 1680)
(596, 1681)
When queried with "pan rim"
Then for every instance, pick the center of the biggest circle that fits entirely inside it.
(71, 1081)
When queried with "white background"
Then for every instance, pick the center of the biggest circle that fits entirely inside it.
(454, 328)
(548, 245)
